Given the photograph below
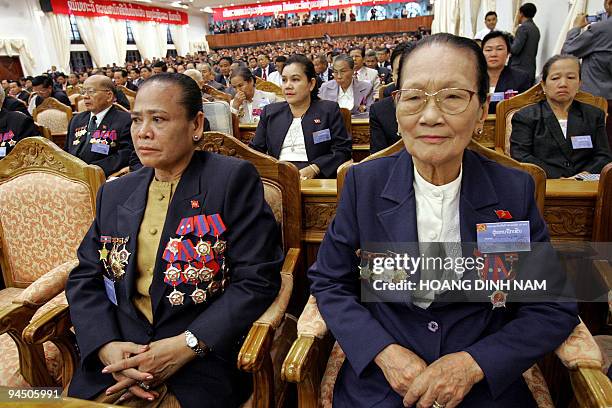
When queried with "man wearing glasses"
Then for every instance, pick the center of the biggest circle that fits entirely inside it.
(101, 134)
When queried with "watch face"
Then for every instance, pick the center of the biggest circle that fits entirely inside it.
(191, 340)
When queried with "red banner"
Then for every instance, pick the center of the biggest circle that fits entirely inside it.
(295, 6)
(119, 10)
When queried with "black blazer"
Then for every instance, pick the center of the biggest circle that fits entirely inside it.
(220, 184)
(122, 99)
(537, 138)
(221, 79)
(13, 104)
(276, 119)
(383, 125)
(24, 96)
(14, 126)
(511, 78)
(59, 95)
(384, 74)
(389, 90)
(524, 48)
(119, 153)
(258, 71)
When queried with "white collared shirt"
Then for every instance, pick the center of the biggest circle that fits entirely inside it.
(482, 33)
(99, 116)
(275, 77)
(437, 209)
(294, 147)
(346, 99)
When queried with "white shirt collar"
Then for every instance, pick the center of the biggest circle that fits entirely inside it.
(447, 191)
(100, 116)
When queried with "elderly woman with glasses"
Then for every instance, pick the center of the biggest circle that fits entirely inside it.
(421, 349)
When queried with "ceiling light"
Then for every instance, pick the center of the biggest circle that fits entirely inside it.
(207, 10)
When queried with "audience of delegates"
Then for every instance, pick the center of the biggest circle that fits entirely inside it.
(448, 353)
(101, 135)
(304, 130)
(490, 21)
(349, 93)
(14, 126)
(121, 78)
(43, 86)
(594, 47)
(504, 81)
(248, 101)
(565, 137)
(16, 91)
(384, 75)
(223, 77)
(181, 351)
(525, 45)
(265, 67)
(363, 73)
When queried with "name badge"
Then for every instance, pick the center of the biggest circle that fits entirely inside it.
(497, 96)
(582, 142)
(321, 136)
(503, 237)
(109, 286)
(100, 148)
(2, 151)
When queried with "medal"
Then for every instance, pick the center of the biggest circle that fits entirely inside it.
(171, 249)
(12, 143)
(205, 274)
(118, 259)
(214, 287)
(176, 297)
(198, 295)
(191, 274)
(173, 274)
(219, 246)
(498, 299)
(203, 248)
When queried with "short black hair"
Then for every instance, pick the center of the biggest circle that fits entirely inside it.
(162, 65)
(61, 74)
(280, 58)
(244, 73)
(228, 59)
(145, 68)
(382, 49)
(461, 43)
(43, 80)
(309, 71)
(490, 13)
(556, 58)
(497, 34)
(191, 95)
(360, 49)
(528, 10)
(123, 72)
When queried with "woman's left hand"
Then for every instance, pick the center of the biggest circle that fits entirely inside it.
(445, 381)
(309, 172)
(164, 358)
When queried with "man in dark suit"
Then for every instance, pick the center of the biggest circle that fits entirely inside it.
(15, 105)
(225, 65)
(265, 67)
(322, 69)
(378, 205)
(525, 45)
(101, 135)
(537, 138)
(121, 79)
(43, 86)
(371, 62)
(18, 92)
(14, 126)
(383, 124)
(383, 57)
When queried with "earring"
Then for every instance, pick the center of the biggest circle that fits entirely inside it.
(196, 138)
(479, 131)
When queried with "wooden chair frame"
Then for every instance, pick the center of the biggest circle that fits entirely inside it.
(268, 86)
(37, 154)
(120, 107)
(129, 94)
(216, 94)
(532, 96)
(52, 103)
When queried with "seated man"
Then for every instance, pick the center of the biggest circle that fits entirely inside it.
(101, 135)
(43, 86)
(14, 126)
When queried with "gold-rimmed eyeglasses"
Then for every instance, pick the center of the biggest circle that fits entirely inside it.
(451, 101)
(91, 91)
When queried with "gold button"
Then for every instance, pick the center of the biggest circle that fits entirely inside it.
(153, 231)
(161, 197)
(150, 270)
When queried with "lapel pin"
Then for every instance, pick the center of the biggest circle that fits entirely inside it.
(317, 121)
(195, 204)
(503, 214)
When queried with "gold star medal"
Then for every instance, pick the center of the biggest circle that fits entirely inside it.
(198, 295)
(176, 297)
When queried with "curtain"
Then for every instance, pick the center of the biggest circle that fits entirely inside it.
(180, 38)
(18, 47)
(447, 16)
(95, 33)
(474, 10)
(576, 7)
(120, 35)
(59, 26)
(148, 38)
(162, 39)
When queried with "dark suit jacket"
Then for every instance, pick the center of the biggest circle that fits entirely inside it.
(537, 138)
(59, 95)
(276, 119)
(131, 86)
(14, 126)
(253, 253)
(118, 155)
(384, 74)
(514, 79)
(221, 79)
(388, 90)
(13, 104)
(377, 205)
(258, 71)
(383, 125)
(525, 48)
(122, 99)
(24, 96)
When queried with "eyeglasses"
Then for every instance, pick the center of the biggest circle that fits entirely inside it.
(91, 91)
(451, 101)
(342, 72)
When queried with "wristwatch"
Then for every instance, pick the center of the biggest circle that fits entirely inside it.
(197, 346)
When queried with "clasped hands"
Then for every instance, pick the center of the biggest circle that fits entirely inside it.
(446, 381)
(139, 367)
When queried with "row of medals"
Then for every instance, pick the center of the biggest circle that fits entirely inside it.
(116, 260)
(201, 275)
(81, 132)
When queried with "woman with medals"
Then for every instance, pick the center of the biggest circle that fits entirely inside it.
(182, 257)
(304, 130)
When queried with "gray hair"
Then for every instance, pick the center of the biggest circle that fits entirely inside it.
(195, 75)
(346, 58)
(204, 65)
(2, 95)
(370, 53)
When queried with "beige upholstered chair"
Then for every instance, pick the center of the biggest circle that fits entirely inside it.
(268, 86)
(505, 110)
(54, 115)
(219, 116)
(47, 200)
(79, 103)
(129, 94)
(271, 335)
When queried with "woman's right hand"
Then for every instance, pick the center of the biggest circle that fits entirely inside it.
(238, 100)
(400, 367)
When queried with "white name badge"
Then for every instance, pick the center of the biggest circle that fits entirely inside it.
(582, 142)
(2, 151)
(497, 96)
(100, 148)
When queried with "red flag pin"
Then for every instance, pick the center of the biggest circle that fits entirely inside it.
(195, 204)
(503, 214)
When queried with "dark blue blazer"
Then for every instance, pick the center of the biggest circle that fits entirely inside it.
(118, 155)
(383, 124)
(254, 255)
(378, 205)
(276, 119)
(511, 78)
(20, 125)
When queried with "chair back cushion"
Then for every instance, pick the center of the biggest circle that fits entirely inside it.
(43, 219)
(508, 131)
(219, 116)
(55, 120)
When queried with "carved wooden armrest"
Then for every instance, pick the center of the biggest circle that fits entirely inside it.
(500, 150)
(592, 388)
(120, 172)
(258, 343)
(604, 269)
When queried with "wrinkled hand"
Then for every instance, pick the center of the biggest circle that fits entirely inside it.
(163, 358)
(447, 381)
(362, 108)
(580, 21)
(309, 172)
(239, 99)
(400, 367)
